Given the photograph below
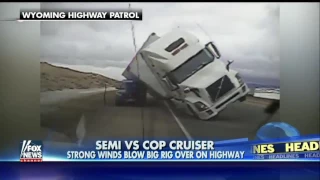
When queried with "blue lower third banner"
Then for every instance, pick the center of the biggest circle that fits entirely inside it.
(290, 149)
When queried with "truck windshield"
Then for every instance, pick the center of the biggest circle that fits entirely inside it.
(191, 66)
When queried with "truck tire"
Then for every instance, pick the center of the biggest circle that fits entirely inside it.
(140, 103)
(118, 102)
(195, 114)
(192, 111)
(142, 95)
(243, 98)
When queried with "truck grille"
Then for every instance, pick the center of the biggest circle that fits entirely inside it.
(213, 89)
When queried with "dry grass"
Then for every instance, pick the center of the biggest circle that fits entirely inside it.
(57, 78)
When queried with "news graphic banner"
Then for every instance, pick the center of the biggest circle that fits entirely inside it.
(125, 14)
(293, 149)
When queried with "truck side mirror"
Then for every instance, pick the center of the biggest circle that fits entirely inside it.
(229, 63)
(211, 47)
(169, 84)
(165, 80)
(186, 90)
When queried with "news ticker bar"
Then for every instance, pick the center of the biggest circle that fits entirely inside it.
(80, 15)
(298, 149)
(197, 151)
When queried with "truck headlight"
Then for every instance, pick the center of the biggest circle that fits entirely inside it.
(239, 79)
(200, 106)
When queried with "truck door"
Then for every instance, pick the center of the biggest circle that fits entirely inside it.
(175, 89)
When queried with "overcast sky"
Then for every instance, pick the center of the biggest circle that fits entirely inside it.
(244, 32)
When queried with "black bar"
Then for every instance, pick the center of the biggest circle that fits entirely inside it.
(96, 1)
(81, 15)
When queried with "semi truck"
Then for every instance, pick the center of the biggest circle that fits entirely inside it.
(179, 68)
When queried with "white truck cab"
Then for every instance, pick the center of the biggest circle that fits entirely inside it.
(194, 73)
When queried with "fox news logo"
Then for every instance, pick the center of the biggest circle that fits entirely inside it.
(30, 151)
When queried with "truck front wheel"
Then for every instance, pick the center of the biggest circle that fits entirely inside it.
(140, 103)
(243, 98)
(192, 111)
(118, 102)
(141, 100)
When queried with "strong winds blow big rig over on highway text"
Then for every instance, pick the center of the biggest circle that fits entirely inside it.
(178, 67)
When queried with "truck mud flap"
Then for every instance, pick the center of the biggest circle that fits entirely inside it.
(118, 102)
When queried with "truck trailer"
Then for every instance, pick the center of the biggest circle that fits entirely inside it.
(179, 68)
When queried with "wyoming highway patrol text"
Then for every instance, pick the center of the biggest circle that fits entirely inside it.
(118, 15)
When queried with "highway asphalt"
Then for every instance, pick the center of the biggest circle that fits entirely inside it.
(156, 120)
(238, 120)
